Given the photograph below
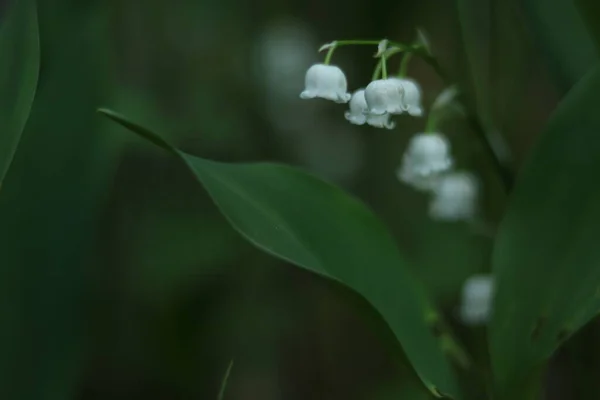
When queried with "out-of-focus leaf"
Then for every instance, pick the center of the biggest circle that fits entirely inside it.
(19, 70)
(561, 34)
(49, 211)
(590, 11)
(546, 257)
(301, 219)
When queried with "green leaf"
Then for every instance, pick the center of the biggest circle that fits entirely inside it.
(561, 34)
(51, 204)
(546, 257)
(301, 219)
(19, 70)
(590, 11)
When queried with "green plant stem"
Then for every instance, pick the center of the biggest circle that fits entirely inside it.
(224, 381)
(491, 141)
(384, 74)
(356, 42)
(404, 65)
(389, 53)
(329, 54)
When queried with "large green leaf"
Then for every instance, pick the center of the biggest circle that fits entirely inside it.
(561, 34)
(547, 258)
(50, 207)
(19, 70)
(301, 219)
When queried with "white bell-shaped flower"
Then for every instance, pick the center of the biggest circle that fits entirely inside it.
(476, 299)
(454, 197)
(380, 121)
(385, 96)
(358, 108)
(427, 156)
(359, 113)
(327, 82)
(412, 96)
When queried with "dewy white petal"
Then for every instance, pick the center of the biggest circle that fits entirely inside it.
(327, 82)
(427, 156)
(381, 121)
(358, 108)
(385, 96)
(477, 299)
(412, 96)
(454, 197)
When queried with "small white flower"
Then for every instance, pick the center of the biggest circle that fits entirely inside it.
(454, 197)
(427, 156)
(359, 113)
(385, 96)
(358, 108)
(327, 82)
(412, 96)
(380, 121)
(476, 299)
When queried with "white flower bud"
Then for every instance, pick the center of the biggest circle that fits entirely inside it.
(454, 197)
(385, 96)
(327, 82)
(427, 156)
(476, 299)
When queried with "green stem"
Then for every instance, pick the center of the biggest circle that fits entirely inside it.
(356, 42)
(431, 123)
(490, 140)
(225, 381)
(389, 53)
(404, 65)
(330, 54)
(383, 67)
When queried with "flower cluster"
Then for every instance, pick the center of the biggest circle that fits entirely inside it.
(374, 104)
(427, 164)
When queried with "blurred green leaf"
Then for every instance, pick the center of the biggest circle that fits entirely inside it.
(561, 34)
(546, 256)
(49, 208)
(19, 70)
(310, 223)
(475, 19)
(590, 11)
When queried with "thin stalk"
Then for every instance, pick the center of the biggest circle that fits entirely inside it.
(404, 65)
(492, 143)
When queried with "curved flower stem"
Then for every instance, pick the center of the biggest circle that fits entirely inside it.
(384, 74)
(389, 53)
(329, 54)
(404, 64)
(492, 142)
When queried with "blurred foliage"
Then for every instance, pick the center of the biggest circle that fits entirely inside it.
(119, 279)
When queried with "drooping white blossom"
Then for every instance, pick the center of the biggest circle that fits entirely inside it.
(381, 121)
(412, 96)
(426, 158)
(359, 113)
(476, 299)
(385, 96)
(358, 108)
(454, 197)
(327, 82)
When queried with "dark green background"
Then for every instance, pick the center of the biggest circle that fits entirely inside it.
(120, 278)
